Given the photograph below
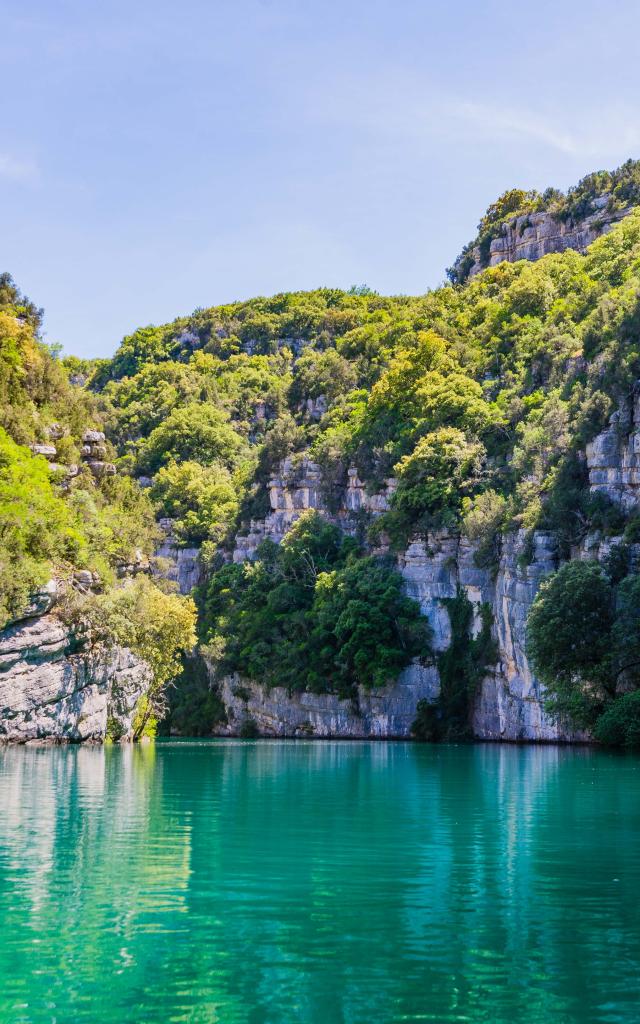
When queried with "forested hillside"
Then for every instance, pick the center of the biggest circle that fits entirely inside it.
(73, 531)
(478, 400)
(472, 405)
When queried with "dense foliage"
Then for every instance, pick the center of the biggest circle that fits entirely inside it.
(476, 401)
(470, 406)
(313, 614)
(57, 518)
(621, 187)
(52, 522)
(584, 640)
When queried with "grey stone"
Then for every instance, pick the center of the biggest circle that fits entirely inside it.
(48, 692)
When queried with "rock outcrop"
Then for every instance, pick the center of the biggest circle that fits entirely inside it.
(298, 487)
(509, 703)
(49, 690)
(613, 457)
(533, 235)
(383, 714)
(93, 453)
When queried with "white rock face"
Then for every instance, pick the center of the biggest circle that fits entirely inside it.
(377, 714)
(509, 704)
(533, 235)
(293, 490)
(613, 457)
(49, 693)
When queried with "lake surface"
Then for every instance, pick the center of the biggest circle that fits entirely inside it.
(272, 882)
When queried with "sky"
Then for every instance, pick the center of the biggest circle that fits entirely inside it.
(156, 157)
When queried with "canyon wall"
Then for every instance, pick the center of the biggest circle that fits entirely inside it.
(509, 701)
(52, 688)
(533, 235)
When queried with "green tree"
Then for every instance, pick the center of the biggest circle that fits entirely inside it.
(198, 432)
(201, 499)
(569, 641)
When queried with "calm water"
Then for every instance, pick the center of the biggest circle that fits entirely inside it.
(270, 882)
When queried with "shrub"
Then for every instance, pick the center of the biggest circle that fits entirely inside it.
(201, 499)
(569, 640)
(619, 726)
(200, 432)
(483, 519)
(433, 481)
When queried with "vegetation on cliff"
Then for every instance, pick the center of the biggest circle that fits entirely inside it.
(584, 641)
(477, 399)
(314, 613)
(621, 188)
(68, 520)
(469, 406)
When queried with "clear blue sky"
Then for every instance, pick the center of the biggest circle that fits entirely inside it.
(158, 156)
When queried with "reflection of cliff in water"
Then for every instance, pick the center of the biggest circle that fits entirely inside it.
(320, 882)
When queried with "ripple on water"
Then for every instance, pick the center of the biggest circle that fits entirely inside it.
(268, 882)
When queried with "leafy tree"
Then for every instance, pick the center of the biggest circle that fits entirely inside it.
(37, 528)
(619, 725)
(433, 480)
(364, 629)
(483, 520)
(321, 373)
(201, 499)
(312, 615)
(158, 627)
(197, 431)
(569, 640)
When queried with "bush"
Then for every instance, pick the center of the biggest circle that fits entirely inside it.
(433, 481)
(38, 529)
(201, 499)
(569, 640)
(249, 730)
(195, 432)
(312, 615)
(619, 726)
(483, 519)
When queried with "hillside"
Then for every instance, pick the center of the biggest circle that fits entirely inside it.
(528, 225)
(373, 489)
(74, 534)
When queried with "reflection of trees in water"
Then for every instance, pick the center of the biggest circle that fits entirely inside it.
(320, 882)
(88, 854)
(507, 874)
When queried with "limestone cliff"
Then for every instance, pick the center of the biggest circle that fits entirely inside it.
(533, 235)
(509, 703)
(51, 690)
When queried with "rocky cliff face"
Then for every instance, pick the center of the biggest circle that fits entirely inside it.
(48, 692)
(533, 235)
(509, 704)
(384, 714)
(180, 565)
(613, 457)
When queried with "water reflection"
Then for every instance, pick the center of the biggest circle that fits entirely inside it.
(318, 882)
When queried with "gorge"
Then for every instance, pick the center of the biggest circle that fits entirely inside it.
(372, 486)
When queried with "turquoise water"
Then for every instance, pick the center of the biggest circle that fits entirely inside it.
(270, 882)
